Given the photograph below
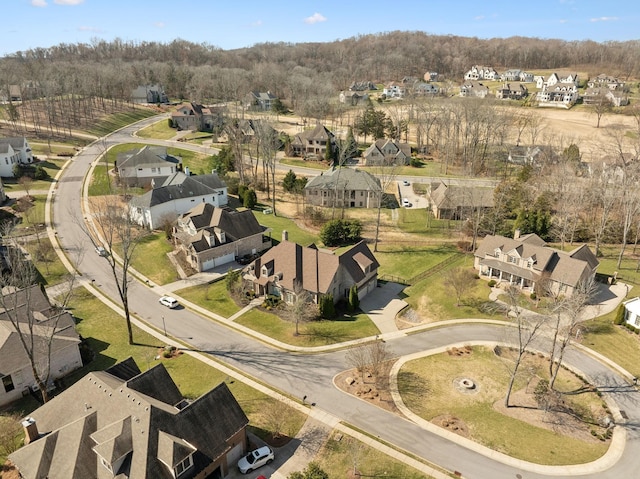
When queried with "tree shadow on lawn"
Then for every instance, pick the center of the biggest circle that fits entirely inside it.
(412, 385)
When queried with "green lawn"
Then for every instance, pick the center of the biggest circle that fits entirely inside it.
(435, 301)
(313, 333)
(426, 388)
(40, 149)
(150, 259)
(159, 130)
(115, 121)
(46, 261)
(614, 342)
(337, 457)
(316, 165)
(196, 162)
(408, 261)
(32, 216)
(280, 223)
(420, 221)
(213, 297)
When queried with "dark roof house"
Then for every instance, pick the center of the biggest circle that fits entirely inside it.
(344, 187)
(138, 167)
(125, 423)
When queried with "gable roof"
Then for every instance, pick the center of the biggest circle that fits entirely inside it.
(42, 317)
(399, 149)
(453, 196)
(567, 268)
(146, 157)
(17, 143)
(345, 179)
(108, 416)
(179, 186)
(318, 133)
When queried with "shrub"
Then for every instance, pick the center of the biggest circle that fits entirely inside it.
(326, 307)
(249, 199)
(40, 173)
(338, 232)
(619, 319)
(492, 283)
(354, 301)
(533, 296)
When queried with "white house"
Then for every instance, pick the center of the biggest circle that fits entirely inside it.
(177, 195)
(14, 151)
(632, 312)
(138, 167)
(394, 90)
(479, 72)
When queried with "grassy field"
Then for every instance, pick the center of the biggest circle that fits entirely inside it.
(614, 342)
(46, 261)
(338, 454)
(116, 121)
(280, 223)
(213, 297)
(312, 333)
(159, 130)
(316, 165)
(426, 386)
(408, 261)
(150, 259)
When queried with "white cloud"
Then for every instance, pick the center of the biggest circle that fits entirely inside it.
(159, 24)
(479, 17)
(39, 3)
(68, 2)
(315, 18)
(257, 23)
(604, 19)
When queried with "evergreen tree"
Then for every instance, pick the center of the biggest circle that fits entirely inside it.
(289, 181)
(326, 307)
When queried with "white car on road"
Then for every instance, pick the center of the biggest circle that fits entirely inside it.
(168, 301)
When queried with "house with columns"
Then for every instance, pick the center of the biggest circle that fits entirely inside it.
(527, 261)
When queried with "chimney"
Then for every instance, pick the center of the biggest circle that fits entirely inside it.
(285, 235)
(186, 171)
(516, 234)
(30, 430)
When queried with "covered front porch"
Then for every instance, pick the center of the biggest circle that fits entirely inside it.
(504, 272)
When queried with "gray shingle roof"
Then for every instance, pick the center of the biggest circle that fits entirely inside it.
(146, 157)
(345, 179)
(179, 186)
(106, 415)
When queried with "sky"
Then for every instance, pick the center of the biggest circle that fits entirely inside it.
(234, 24)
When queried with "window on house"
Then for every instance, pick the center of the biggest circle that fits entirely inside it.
(7, 382)
(153, 170)
(530, 263)
(183, 466)
(512, 259)
(104, 462)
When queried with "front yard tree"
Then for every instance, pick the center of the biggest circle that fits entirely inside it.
(299, 308)
(526, 328)
(121, 236)
(19, 307)
(460, 281)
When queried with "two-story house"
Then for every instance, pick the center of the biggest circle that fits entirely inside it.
(387, 152)
(211, 236)
(561, 95)
(138, 167)
(55, 342)
(343, 188)
(480, 72)
(288, 268)
(512, 91)
(196, 117)
(149, 94)
(14, 151)
(260, 101)
(124, 423)
(177, 195)
(394, 90)
(527, 261)
(458, 202)
(474, 89)
(313, 143)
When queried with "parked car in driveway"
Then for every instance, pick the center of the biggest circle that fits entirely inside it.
(168, 301)
(405, 183)
(406, 203)
(255, 459)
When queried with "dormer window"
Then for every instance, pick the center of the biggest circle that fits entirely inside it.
(264, 271)
(106, 464)
(184, 466)
(529, 263)
(496, 252)
(512, 259)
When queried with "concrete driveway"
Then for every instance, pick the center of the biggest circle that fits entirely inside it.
(382, 306)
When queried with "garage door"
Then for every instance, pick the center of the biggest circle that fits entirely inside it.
(234, 454)
(225, 259)
(208, 264)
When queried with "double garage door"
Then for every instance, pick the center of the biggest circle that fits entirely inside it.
(212, 263)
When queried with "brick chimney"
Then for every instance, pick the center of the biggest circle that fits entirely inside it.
(285, 235)
(30, 430)
(516, 234)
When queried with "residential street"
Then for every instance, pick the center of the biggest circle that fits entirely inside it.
(312, 375)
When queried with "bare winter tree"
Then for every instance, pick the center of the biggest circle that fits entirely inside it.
(369, 358)
(269, 146)
(565, 317)
(460, 281)
(629, 205)
(526, 330)
(113, 223)
(299, 308)
(386, 171)
(37, 325)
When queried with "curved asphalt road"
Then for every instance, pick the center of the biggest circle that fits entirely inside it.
(312, 375)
